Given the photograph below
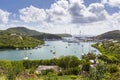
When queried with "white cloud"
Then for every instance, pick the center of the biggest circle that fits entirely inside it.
(58, 12)
(32, 14)
(93, 13)
(77, 1)
(99, 11)
(116, 16)
(4, 16)
(77, 10)
(112, 3)
(64, 11)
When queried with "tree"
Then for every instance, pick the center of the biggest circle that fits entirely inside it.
(66, 62)
(98, 73)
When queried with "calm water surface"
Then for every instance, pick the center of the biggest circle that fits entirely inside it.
(46, 52)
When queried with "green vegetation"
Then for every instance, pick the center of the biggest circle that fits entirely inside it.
(28, 32)
(21, 30)
(111, 58)
(17, 41)
(110, 51)
(72, 68)
(46, 36)
(15, 70)
(64, 35)
(110, 35)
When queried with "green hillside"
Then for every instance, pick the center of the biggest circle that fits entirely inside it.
(13, 41)
(46, 36)
(32, 33)
(22, 31)
(64, 35)
(110, 35)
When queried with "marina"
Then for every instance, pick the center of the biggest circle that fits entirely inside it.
(51, 49)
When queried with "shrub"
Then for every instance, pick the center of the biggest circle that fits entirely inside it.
(113, 68)
(71, 71)
(66, 62)
(86, 66)
(73, 77)
(45, 72)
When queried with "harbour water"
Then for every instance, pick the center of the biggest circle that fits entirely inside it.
(49, 50)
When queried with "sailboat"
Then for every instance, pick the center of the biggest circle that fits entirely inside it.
(26, 57)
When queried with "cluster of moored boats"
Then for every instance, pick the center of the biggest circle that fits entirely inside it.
(53, 51)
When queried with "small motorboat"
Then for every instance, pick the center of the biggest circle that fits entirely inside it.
(26, 58)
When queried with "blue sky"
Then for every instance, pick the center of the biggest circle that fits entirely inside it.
(15, 5)
(44, 15)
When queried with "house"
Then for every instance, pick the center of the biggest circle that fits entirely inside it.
(43, 67)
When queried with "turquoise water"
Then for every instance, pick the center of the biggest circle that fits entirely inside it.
(46, 51)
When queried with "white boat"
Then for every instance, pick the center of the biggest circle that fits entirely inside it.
(71, 40)
(17, 48)
(26, 58)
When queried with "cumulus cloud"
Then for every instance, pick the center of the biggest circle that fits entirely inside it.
(77, 10)
(77, 1)
(4, 16)
(112, 3)
(82, 14)
(64, 11)
(58, 12)
(99, 11)
(115, 19)
(116, 16)
(32, 14)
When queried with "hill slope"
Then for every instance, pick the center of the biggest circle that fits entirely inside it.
(32, 33)
(64, 35)
(110, 35)
(22, 31)
(18, 41)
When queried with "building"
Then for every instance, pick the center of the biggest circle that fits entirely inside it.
(43, 67)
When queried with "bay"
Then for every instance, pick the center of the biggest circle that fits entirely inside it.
(49, 50)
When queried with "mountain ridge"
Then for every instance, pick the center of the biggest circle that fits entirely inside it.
(29, 32)
(115, 34)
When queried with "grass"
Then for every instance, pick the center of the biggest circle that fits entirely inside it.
(65, 77)
(2, 78)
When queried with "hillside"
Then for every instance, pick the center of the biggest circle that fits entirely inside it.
(110, 35)
(46, 37)
(22, 31)
(32, 33)
(17, 41)
(64, 35)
